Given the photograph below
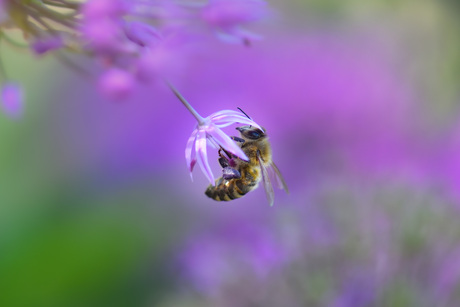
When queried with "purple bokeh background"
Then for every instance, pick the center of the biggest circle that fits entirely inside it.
(371, 218)
(330, 103)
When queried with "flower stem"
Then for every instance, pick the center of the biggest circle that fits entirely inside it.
(3, 76)
(186, 104)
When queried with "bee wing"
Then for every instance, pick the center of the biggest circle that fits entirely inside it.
(276, 174)
(266, 180)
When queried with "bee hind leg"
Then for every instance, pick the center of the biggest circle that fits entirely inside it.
(230, 173)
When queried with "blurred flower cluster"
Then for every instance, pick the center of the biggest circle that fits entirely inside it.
(348, 246)
(131, 42)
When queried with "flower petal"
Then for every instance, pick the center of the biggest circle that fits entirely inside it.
(228, 117)
(141, 33)
(190, 153)
(237, 35)
(227, 143)
(216, 115)
(224, 112)
(41, 46)
(202, 157)
(234, 119)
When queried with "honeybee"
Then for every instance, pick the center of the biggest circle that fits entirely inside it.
(240, 177)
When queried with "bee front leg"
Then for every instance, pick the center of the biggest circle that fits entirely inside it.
(237, 139)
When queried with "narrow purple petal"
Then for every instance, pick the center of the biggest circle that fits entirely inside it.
(41, 46)
(12, 99)
(141, 33)
(224, 112)
(228, 117)
(202, 156)
(238, 35)
(192, 166)
(227, 143)
(224, 121)
(190, 153)
(213, 143)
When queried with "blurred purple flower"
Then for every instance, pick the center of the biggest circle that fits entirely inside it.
(97, 9)
(227, 16)
(12, 99)
(236, 253)
(102, 27)
(153, 63)
(116, 83)
(117, 32)
(102, 36)
(359, 290)
(41, 46)
(209, 129)
(447, 276)
(141, 33)
(108, 34)
(3, 13)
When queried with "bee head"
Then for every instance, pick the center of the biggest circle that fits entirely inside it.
(251, 133)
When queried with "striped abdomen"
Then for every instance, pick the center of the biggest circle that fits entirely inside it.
(234, 188)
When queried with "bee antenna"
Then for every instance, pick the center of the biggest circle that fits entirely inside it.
(243, 112)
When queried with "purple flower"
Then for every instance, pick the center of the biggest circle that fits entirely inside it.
(209, 129)
(12, 99)
(41, 46)
(126, 35)
(3, 13)
(103, 37)
(358, 290)
(142, 33)
(227, 16)
(116, 83)
(151, 63)
(97, 9)
(227, 256)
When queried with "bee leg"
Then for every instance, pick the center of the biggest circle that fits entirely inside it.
(227, 162)
(230, 173)
(237, 139)
(219, 181)
(223, 161)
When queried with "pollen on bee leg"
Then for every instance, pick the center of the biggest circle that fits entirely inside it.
(230, 173)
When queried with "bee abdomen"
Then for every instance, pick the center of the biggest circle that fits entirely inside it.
(226, 190)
